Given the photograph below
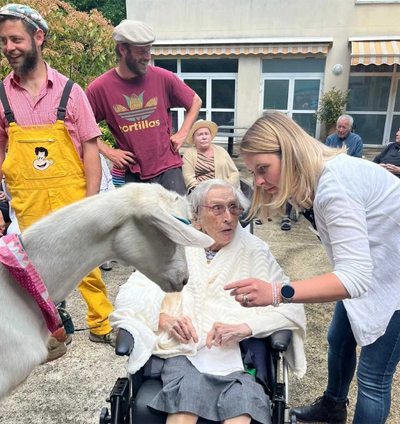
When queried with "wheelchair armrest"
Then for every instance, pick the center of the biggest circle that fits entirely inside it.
(280, 340)
(124, 343)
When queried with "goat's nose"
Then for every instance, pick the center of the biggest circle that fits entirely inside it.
(185, 281)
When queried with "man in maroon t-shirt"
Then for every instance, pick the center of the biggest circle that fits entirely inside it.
(135, 99)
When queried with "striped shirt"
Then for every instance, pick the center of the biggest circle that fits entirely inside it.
(79, 120)
(205, 168)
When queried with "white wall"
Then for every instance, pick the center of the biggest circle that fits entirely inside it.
(187, 19)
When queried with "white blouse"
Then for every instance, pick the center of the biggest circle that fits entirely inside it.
(357, 212)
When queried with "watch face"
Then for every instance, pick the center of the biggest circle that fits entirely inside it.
(287, 291)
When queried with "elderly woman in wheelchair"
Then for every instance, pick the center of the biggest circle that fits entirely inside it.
(198, 332)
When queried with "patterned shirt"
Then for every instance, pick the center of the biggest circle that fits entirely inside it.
(205, 168)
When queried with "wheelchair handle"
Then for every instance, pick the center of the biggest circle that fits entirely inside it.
(281, 339)
(124, 343)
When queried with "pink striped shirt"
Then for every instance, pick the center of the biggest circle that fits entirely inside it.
(80, 121)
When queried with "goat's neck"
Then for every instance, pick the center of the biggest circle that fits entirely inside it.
(62, 258)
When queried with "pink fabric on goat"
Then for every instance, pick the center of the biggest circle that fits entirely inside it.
(15, 259)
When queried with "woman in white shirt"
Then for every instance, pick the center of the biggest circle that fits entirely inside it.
(198, 331)
(356, 208)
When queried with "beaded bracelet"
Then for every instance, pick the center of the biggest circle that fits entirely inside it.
(275, 295)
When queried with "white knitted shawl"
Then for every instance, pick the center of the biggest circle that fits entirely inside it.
(140, 301)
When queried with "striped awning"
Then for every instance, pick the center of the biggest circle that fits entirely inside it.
(375, 52)
(238, 50)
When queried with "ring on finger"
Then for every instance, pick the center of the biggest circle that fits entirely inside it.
(245, 299)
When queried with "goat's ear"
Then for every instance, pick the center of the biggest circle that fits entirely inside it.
(179, 232)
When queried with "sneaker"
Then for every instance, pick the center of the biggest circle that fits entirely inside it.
(107, 266)
(286, 225)
(109, 338)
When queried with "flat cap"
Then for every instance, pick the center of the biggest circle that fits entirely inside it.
(133, 32)
(26, 13)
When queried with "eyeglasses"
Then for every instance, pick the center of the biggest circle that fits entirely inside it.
(220, 209)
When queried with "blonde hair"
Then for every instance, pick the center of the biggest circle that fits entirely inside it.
(302, 160)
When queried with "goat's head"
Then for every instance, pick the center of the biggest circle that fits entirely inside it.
(154, 236)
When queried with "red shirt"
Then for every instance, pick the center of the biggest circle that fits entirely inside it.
(137, 112)
(42, 110)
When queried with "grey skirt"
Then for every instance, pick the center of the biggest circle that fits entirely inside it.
(213, 397)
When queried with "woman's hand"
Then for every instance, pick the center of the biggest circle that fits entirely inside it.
(226, 334)
(251, 292)
(181, 328)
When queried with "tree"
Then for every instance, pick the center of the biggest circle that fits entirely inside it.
(114, 10)
(79, 44)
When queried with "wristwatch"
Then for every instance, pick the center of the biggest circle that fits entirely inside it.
(287, 293)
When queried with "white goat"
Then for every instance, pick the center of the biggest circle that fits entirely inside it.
(134, 224)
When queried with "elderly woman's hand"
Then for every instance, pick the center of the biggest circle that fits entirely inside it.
(225, 334)
(181, 328)
(251, 292)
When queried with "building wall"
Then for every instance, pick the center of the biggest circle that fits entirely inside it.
(193, 19)
(244, 19)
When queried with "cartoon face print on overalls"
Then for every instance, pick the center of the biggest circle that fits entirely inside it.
(41, 163)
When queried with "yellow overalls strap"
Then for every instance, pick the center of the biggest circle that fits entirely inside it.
(62, 107)
(42, 168)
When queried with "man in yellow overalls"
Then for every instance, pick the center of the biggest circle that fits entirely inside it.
(51, 134)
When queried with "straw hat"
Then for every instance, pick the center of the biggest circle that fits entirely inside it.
(202, 123)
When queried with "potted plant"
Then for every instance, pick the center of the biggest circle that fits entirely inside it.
(331, 106)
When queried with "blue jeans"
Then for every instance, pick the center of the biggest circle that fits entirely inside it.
(377, 364)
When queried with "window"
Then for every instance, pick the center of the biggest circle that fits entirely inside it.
(396, 113)
(374, 102)
(214, 80)
(293, 86)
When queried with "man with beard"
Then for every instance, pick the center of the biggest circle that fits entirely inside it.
(135, 99)
(42, 111)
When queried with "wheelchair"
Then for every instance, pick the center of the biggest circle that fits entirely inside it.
(129, 397)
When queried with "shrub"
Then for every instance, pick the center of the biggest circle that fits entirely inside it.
(332, 105)
(79, 44)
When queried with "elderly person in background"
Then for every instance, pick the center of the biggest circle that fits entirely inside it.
(344, 137)
(205, 160)
(389, 158)
(198, 330)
